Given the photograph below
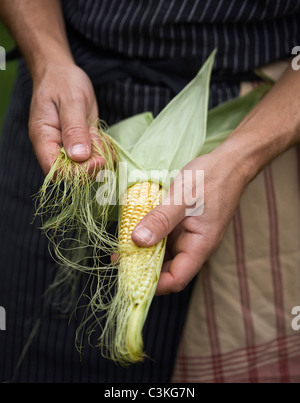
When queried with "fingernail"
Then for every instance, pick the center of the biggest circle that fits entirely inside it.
(79, 150)
(144, 234)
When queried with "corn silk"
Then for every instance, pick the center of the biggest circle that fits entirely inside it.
(80, 213)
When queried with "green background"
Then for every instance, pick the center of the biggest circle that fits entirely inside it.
(6, 76)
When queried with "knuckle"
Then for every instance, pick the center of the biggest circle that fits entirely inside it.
(159, 218)
(75, 97)
(33, 129)
(74, 132)
(30, 131)
(179, 285)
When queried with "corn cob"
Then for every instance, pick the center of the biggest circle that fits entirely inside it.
(140, 199)
(138, 273)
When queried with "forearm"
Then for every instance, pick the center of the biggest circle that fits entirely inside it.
(270, 129)
(63, 101)
(38, 28)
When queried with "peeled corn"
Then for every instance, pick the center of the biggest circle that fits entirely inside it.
(138, 273)
(137, 263)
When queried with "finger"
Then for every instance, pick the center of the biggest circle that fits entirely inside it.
(157, 224)
(44, 133)
(96, 161)
(76, 136)
(191, 251)
(173, 241)
(114, 258)
(177, 274)
(46, 148)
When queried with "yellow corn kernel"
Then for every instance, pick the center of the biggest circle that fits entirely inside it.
(137, 264)
(138, 273)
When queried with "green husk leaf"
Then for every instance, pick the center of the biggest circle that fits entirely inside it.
(224, 118)
(121, 338)
(181, 125)
(76, 221)
(128, 131)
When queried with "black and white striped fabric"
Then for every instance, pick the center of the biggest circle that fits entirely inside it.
(138, 55)
(247, 34)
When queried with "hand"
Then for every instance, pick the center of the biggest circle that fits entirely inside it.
(63, 104)
(192, 239)
(272, 127)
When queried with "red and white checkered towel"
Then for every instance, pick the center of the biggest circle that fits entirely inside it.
(239, 325)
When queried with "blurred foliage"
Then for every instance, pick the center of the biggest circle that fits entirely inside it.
(6, 76)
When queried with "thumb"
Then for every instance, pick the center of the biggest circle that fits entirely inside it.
(76, 137)
(157, 224)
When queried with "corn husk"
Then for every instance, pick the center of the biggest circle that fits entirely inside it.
(154, 147)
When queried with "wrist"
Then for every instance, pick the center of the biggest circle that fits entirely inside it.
(46, 59)
(234, 162)
(241, 157)
(38, 28)
(271, 128)
(47, 67)
(247, 150)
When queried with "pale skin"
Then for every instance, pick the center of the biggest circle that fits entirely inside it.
(64, 103)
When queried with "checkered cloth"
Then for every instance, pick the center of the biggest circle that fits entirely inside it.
(239, 325)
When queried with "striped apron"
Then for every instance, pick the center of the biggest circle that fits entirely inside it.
(237, 323)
